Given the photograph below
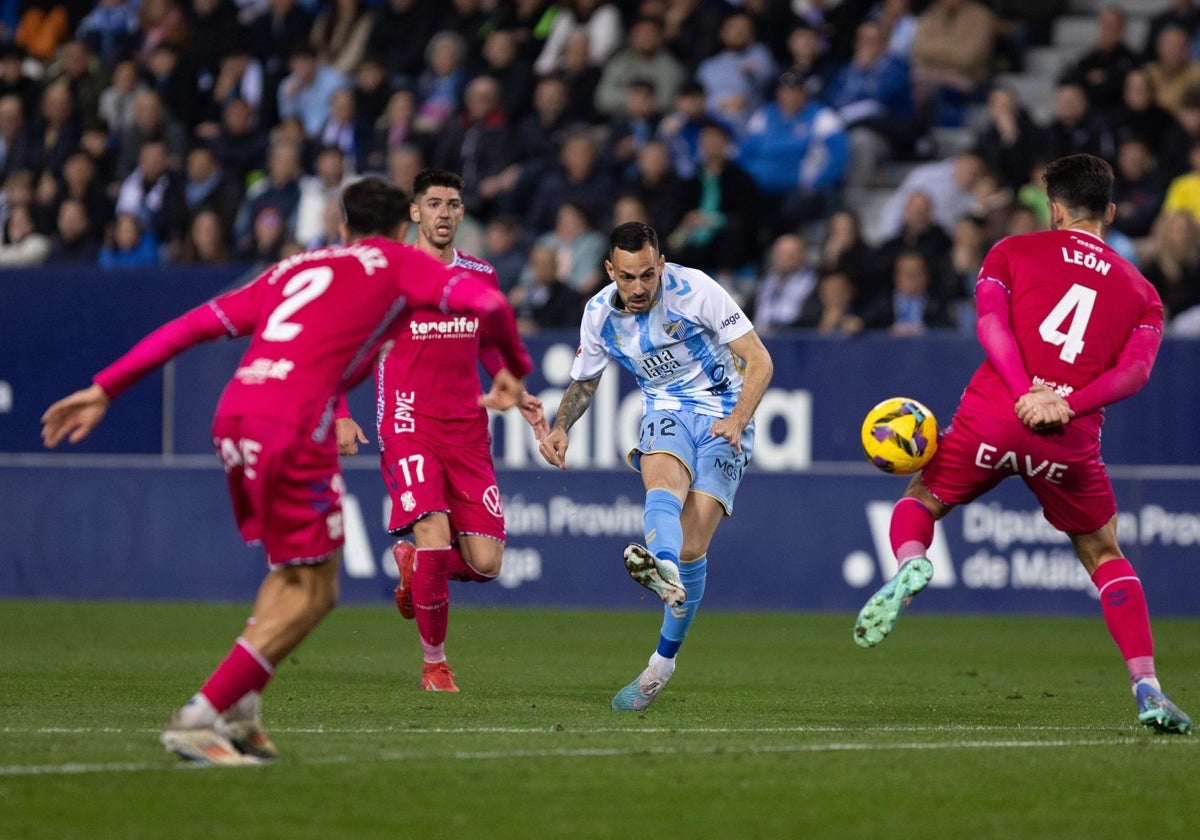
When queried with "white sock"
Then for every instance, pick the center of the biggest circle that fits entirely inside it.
(198, 713)
(665, 667)
(1152, 681)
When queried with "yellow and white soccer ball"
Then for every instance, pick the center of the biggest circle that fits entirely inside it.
(899, 435)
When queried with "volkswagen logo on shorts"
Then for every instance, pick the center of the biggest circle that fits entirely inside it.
(491, 499)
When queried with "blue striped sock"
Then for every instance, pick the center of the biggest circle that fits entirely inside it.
(677, 621)
(660, 519)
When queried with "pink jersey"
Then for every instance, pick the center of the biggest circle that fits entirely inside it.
(432, 370)
(1074, 303)
(317, 322)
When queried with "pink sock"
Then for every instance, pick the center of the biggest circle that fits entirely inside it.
(431, 595)
(1123, 604)
(459, 569)
(912, 529)
(244, 669)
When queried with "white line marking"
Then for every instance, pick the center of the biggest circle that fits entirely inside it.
(594, 752)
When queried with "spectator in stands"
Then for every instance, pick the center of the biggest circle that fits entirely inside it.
(1075, 127)
(844, 249)
(54, 133)
(268, 238)
(530, 21)
(306, 91)
(951, 58)
(479, 145)
(206, 241)
(115, 105)
(967, 250)
(796, 151)
(644, 58)
(15, 81)
(781, 292)
(240, 147)
(280, 190)
(539, 135)
(343, 131)
(722, 210)
(598, 19)
(912, 307)
(162, 22)
(661, 192)
(580, 177)
(1102, 70)
(737, 80)
(1010, 142)
(504, 250)
(502, 61)
(401, 31)
(403, 164)
(21, 246)
(371, 91)
(1174, 268)
(544, 300)
(582, 79)
(1183, 192)
(73, 240)
(1172, 72)
(273, 35)
(83, 74)
(394, 128)
(1183, 14)
(340, 34)
(950, 185)
(629, 208)
(111, 30)
(630, 133)
(153, 194)
(578, 248)
(873, 96)
(441, 82)
(690, 30)
(680, 129)
(1138, 189)
(214, 26)
(317, 190)
(832, 309)
(81, 182)
(15, 150)
(207, 186)
(1139, 115)
(469, 19)
(128, 245)
(150, 122)
(899, 25)
(919, 232)
(163, 71)
(240, 76)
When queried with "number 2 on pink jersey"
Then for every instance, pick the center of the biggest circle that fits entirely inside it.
(305, 287)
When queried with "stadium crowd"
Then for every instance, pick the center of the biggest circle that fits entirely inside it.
(151, 132)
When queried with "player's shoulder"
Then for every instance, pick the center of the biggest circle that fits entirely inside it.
(473, 263)
(684, 285)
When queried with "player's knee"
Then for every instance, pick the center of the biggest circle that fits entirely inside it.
(488, 562)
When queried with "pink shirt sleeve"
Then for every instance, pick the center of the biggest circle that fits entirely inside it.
(203, 323)
(994, 328)
(470, 294)
(1124, 379)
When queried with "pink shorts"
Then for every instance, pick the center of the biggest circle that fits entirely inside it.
(286, 489)
(1065, 471)
(427, 475)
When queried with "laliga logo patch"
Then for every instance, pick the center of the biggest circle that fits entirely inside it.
(491, 500)
(407, 501)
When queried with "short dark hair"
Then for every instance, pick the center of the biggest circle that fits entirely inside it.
(427, 178)
(632, 237)
(1083, 183)
(373, 206)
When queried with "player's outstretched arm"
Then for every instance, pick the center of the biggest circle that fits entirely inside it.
(755, 379)
(75, 416)
(575, 400)
(349, 435)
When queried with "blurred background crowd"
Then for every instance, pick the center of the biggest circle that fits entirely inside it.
(838, 166)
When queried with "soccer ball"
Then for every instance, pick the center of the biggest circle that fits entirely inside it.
(899, 435)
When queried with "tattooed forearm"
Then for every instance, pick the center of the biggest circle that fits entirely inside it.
(574, 402)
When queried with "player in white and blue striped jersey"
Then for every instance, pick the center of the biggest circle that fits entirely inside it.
(703, 370)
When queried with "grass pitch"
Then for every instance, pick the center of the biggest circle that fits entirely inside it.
(773, 726)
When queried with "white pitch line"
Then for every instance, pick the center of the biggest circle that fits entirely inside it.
(595, 752)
